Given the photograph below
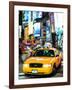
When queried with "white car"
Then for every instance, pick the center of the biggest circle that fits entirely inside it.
(47, 45)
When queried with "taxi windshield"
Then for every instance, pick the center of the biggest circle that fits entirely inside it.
(48, 53)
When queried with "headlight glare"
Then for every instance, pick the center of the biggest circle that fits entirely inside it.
(47, 65)
(26, 65)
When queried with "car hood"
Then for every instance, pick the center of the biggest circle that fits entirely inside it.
(43, 60)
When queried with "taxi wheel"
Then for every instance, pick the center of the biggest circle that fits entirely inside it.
(54, 68)
(59, 65)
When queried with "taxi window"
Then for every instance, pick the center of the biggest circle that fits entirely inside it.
(48, 53)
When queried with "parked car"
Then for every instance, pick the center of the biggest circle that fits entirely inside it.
(47, 44)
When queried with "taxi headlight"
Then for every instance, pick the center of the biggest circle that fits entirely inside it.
(47, 65)
(26, 65)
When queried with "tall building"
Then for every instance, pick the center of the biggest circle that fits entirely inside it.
(26, 33)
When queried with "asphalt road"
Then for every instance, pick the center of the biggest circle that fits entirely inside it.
(59, 73)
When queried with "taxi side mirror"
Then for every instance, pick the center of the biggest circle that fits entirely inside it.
(57, 55)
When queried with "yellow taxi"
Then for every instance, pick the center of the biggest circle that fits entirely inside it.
(43, 62)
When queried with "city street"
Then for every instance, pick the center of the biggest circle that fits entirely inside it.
(40, 43)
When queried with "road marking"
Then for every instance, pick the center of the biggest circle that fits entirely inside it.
(21, 74)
